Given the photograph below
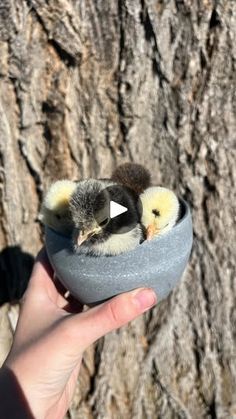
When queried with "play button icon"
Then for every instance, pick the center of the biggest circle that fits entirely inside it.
(116, 209)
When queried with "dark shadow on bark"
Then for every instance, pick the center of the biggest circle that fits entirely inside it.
(15, 269)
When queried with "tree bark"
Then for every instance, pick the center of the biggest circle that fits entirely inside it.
(84, 86)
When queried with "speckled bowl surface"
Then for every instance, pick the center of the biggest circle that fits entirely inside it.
(158, 263)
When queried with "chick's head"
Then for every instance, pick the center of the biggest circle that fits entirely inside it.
(132, 175)
(89, 210)
(160, 210)
(55, 208)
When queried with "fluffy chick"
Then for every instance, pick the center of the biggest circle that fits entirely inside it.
(55, 211)
(95, 232)
(133, 176)
(160, 210)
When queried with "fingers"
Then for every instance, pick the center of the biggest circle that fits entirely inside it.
(41, 278)
(42, 266)
(98, 321)
(43, 283)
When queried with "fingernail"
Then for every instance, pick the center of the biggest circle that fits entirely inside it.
(145, 298)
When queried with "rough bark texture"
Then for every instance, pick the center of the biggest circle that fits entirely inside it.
(86, 85)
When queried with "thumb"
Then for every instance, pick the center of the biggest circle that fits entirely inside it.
(111, 315)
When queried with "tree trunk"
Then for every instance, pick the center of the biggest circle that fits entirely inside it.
(86, 85)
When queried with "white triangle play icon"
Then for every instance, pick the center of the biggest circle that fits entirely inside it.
(116, 209)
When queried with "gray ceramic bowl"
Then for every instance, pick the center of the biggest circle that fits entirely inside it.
(158, 264)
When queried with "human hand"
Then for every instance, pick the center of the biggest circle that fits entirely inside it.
(51, 337)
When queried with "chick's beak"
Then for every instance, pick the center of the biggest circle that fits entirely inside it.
(86, 234)
(150, 231)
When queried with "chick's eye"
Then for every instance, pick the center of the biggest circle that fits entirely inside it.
(58, 216)
(103, 222)
(156, 213)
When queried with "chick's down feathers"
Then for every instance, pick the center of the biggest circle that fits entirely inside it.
(55, 211)
(160, 210)
(132, 175)
(95, 232)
